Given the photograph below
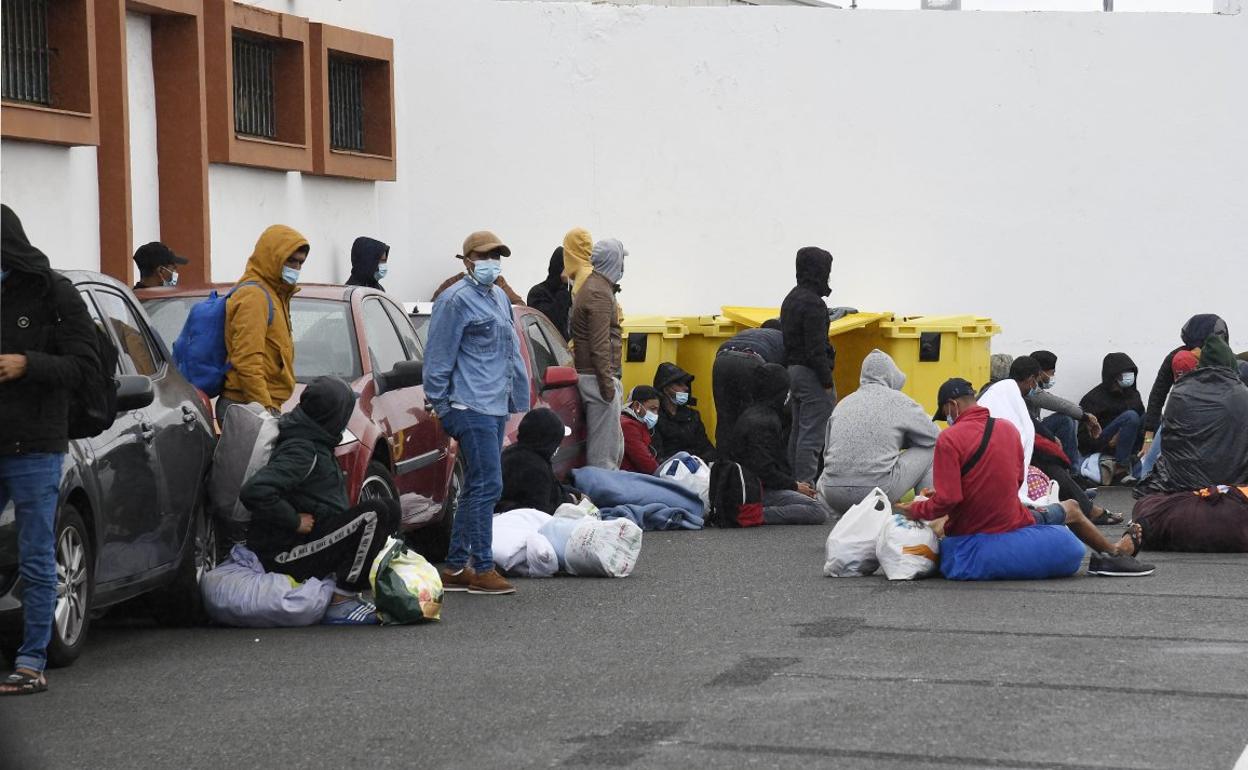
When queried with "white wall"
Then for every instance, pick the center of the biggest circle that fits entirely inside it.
(54, 191)
(144, 180)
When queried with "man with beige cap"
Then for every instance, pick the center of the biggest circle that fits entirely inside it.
(475, 378)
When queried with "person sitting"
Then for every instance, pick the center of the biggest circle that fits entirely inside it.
(680, 427)
(978, 475)
(758, 445)
(1119, 410)
(1193, 334)
(637, 420)
(300, 521)
(877, 437)
(732, 373)
(553, 296)
(528, 472)
(1183, 362)
(1063, 424)
(369, 263)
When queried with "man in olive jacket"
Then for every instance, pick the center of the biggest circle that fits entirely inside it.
(596, 349)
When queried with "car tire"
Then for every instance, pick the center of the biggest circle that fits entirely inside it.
(75, 583)
(378, 484)
(434, 541)
(180, 603)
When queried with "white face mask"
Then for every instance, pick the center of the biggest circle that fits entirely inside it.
(172, 280)
(1127, 379)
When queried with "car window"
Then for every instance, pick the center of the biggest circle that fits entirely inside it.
(129, 332)
(384, 345)
(324, 340)
(543, 357)
(94, 312)
(412, 343)
(169, 314)
(557, 344)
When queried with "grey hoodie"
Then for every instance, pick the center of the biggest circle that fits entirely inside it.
(869, 427)
(608, 258)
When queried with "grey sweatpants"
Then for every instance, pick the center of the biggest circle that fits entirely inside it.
(788, 506)
(605, 437)
(912, 471)
(812, 406)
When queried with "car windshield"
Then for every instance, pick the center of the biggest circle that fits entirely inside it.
(322, 331)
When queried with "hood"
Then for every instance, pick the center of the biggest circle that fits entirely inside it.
(554, 271)
(608, 259)
(999, 366)
(771, 386)
(366, 254)
(1216, 352)
(669, 373)
(577, 246)
(542, 431)
(274, 247)
(814, 269)
(1198, 327)
(324, 409)
(1114, 365)
(878, 368)
(16, 253)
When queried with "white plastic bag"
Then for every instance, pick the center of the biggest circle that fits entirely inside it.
(585, 508)
(907, 549)
(248, 434)
(240, 593)
(1091, 467)
(603, 548)
(406, 587)
(851, 546)
(513, 531)
(690, 472)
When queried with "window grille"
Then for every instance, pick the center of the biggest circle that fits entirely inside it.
(255, 107)
(26, 55)
(346, 104)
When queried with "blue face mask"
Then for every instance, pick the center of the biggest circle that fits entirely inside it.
(1048, 384)
(487, 270)
(290, 275)
(382, 269)
(681, 398)
(651, 419)
(1126, 380)
(1034, 391)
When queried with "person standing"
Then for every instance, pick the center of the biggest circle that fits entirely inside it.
(47, 349)
(596, 353)
(474, 377)
(553, 296)
(369, 263)
(258, 342)
(732, 372)
(810, 357)
(578, 248)
(158, 265)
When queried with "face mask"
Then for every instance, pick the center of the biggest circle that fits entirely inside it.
(651, 419)
(382, 269)
(1126, 380)
(290, 275)
(1034, 391)
(949, 418)
(486, 271)
(1048, 384)
(172, 280)
(681, 398)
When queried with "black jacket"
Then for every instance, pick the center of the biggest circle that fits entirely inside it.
(528, 477)
(804, 316)
(366, 254)
(1107, 400)
(552, 296)
(767, 344)
(680, 430)
(759, 442)
(1193, 334)
(43, 317)
(302, 475)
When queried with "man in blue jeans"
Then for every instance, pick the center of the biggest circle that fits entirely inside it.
(46, 348)
(475, 378)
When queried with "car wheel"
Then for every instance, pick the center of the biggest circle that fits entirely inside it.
(434, 541)
(75, 582)
(378, 484)
(180, 603)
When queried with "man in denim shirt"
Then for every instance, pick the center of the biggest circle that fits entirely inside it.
(474, 377)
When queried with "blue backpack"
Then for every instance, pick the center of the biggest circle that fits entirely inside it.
(199, 350)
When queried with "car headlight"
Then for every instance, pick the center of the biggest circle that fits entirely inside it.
(347, 437)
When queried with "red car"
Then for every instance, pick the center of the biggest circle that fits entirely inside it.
(394, 445)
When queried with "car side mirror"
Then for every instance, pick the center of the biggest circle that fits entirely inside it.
(134, 391)
(405, 374)
(558, 377)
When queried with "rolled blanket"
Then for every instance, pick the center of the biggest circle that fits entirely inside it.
(611, 488)
(654, 516)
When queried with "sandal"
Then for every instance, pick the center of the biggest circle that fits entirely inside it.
(18, 683)
(1106, 518)
(1136, 533)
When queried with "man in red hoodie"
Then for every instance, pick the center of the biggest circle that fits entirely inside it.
(637, 420)
(978, 469)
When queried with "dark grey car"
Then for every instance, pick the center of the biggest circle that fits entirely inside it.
(131, 518)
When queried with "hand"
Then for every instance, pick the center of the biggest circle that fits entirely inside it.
(1094, 426)
(927, 492)
(904, 509)
(12, 367)
(608, 395)
(805, 489)
(306, 522)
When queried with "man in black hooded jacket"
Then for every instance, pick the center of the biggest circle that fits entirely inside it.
(1193, 334)
(810, 357)
(369, 263)
(47, 350)
(528, 474)
(553, 296)
(680, 427)
(1117, 406)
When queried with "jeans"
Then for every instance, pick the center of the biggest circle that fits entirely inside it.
(1126, 427)
(1154, 452)
(33, 483)
(1066, 429)
(788, 506)
(913, 470)
(480, 438)
(604, 440)
(812, 406)
(1052, 514)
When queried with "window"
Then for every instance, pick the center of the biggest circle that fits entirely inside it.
(539, 348)
(384, 346)
(557, 344)
(99, 321)
(415, 350)
(324, 340)
(128, 330)
(26, 54)
(352, 86)
(255, 111)
(346, 104)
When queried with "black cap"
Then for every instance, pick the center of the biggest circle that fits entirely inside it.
(1046, 358)
(952, 390)
(151, 256)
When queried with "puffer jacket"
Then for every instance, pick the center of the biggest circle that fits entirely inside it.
(804, 316)
(1107, 400)
(596, 334)
(759, 442)
(262, 354)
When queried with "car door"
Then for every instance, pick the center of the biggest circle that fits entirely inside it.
(124, 468)
(547, 349)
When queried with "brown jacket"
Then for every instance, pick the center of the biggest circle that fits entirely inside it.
(595, 325)
(500, 282)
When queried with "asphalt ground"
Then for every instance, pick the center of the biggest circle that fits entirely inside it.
(724, 648)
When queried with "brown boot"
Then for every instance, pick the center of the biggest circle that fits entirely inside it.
(457, 581)
(490, 583)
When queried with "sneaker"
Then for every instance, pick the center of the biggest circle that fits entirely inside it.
(1129, 480)
(1118, 566)
(457, 580)
(490, 583)
(1107, 467)
(353, 612)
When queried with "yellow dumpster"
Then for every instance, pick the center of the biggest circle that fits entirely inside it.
(648, 341)
(931, 349)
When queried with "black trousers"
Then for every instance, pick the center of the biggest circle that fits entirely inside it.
(343, 546)
(1067, 487)
(732, 386)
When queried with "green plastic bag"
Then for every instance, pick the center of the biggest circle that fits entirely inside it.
(407, 588)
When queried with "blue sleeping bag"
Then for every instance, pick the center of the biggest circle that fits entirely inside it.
(611, 488)
(1031, 553)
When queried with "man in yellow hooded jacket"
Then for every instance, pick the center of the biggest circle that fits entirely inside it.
(262, 352)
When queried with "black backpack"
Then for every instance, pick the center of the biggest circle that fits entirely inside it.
(93, 406)
(736, 497)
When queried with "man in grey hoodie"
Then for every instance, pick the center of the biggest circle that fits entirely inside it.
(596, 342)
(877, 437)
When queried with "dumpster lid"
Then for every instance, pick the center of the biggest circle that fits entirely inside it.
(754, 317)
(962, 325)
(669, 326)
